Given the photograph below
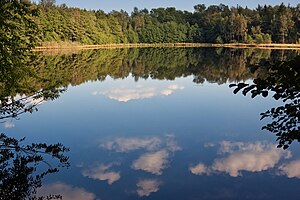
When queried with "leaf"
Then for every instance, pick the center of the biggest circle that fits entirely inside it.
(276, 96)
(264, 93)
(232, 85)
(236, 90)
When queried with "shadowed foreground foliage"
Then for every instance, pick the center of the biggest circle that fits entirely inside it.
(21, 172)
(19, 163)
(282, 81)
(21, 169)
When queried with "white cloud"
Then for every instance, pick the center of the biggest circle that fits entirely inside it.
(122, 144)
(171, 144)
(252, 157)
(153, 162)
(291, 170)
(125, 95)
(139, 92)
(209, 145)
(101, 173)
(158, 151)
(199, 169)
(94, 93)
(252, 161)
(230, 147)
(166, 92)
(66, 191)
(175, 87)
(147, 186)
(8, 124)
(130, 144)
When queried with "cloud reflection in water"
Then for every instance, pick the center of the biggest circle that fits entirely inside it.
(8, 124)
(102, 173)
(131, 144)
(139, 92)
(158, 151)
(147, 186)
(252, 157)
(152, 162)
(291, 170)
(66, 191)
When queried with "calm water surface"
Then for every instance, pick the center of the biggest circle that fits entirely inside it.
(160, 124)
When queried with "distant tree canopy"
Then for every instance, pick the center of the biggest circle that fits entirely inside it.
(212, 24)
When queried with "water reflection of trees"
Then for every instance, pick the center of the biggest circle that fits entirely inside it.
(282, 81)
(21, 170)
(205, 64)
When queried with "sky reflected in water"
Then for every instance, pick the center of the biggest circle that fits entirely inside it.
(162, 139)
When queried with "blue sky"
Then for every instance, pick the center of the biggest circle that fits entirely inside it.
(127, 5)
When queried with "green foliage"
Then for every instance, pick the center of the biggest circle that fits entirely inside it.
(18, 32)
(219, 24)
(219, 40)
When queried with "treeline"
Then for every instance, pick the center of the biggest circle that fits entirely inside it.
(213, 24)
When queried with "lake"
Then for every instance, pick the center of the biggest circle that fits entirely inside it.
(158, 123)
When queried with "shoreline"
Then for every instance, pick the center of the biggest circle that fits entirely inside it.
(65, 46)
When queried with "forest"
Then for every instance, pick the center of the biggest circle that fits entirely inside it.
(206, 24)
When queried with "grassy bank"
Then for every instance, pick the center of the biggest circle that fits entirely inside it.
(53, 46)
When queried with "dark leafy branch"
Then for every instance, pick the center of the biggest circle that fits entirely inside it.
(282, 82)
(12, 107)
(19, 164)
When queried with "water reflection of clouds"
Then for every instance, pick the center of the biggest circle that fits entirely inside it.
(66, 191)
(291, 170)
(102, 173)
(125, 95)
(239, 156)
(157, 155)
(131, 144)
(153, 162)
(147, 186)
(139, 92)
(8, 124)
(199, 169)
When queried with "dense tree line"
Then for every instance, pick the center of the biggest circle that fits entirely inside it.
(212, 24)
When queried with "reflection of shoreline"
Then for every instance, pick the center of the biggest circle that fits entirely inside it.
(218, 65)
(74, 46)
